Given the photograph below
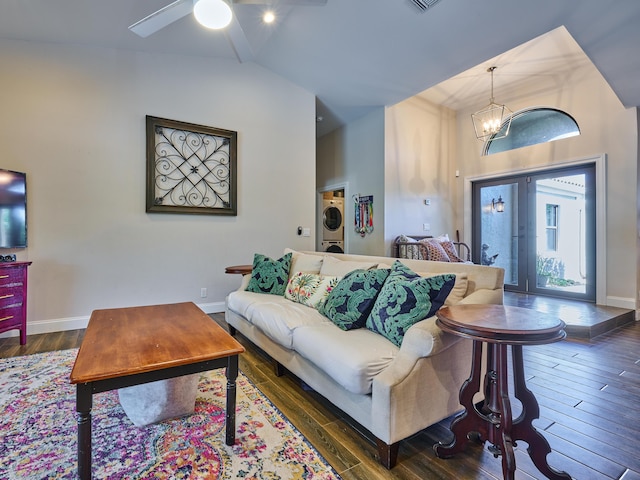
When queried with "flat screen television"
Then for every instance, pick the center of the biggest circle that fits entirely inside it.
(13, 209)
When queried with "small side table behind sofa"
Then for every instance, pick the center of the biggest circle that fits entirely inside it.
(496, 327)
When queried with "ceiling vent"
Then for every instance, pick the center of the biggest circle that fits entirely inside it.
(423, 5)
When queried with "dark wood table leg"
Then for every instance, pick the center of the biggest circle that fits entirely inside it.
(502, 430)
(232, 374)
(469, 420)
(493, 423)
(84, 403)
(523, 428)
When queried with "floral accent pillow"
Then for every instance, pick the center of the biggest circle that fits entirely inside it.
(405, 299)
(310, 289)
(350, 302)
(268, 275)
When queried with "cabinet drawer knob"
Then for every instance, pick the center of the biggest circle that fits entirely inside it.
(2, 297)
(4, 276)
(6, 318)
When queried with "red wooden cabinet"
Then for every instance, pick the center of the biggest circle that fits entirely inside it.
(13, 298)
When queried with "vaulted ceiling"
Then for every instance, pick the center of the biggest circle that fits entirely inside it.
(355, 55)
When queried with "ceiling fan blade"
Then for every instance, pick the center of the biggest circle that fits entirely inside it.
(239, 41)
(163, 17)
(309, 3)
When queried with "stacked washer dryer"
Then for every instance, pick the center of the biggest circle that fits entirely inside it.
(333, 225)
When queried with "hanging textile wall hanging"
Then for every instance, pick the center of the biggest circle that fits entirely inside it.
(363, 214)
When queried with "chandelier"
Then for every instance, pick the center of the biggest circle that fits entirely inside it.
(494, 120)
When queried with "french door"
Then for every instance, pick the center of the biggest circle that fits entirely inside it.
(541, 229)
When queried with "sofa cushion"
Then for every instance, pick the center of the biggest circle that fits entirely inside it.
(407, 298)
(275, 316)
(350, 302)
(268, 275)
(339, 268)
(352, 359)
(480, 276)
(304, 262)
(310, 289)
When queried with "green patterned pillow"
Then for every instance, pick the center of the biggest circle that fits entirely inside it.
(268, 275)
(310, 289)
(350, 302)
(405, 299)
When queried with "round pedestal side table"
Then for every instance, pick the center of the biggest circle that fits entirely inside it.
(496, 327)
(241, 269)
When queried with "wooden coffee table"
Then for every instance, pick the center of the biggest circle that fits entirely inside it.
(131, 346)
(496, 327)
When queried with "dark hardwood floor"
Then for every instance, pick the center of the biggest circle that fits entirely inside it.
(583, 319)
(588, 390)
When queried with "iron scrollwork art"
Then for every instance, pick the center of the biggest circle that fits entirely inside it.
(190, 168)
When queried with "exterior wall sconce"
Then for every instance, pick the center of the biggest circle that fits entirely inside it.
(497, 205)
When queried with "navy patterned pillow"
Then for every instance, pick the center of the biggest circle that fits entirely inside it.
(399, 269)
(350, 302)
(268, 275)
(405, 299)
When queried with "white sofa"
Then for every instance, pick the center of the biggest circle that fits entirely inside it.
(392, 391)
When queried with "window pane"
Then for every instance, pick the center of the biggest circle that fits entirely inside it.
(499, 229)
(561, 245)
(552, 239)
(534, 126)
(552, 215)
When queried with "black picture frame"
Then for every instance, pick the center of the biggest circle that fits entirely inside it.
(190, 168)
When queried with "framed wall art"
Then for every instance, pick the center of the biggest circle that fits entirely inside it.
(190, 168)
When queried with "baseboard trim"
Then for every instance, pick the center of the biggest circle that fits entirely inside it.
(215, 307)
(75, 323)
(622, 302)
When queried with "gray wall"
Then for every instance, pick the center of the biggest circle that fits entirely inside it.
(73, 118)
(354, 155)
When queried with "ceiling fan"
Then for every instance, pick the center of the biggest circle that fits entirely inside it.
(214, 14)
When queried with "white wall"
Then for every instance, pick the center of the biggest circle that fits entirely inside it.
(606, 128)
(355, 154)
(420, 164)
(425, 145)
(73, 118)
(637, 113)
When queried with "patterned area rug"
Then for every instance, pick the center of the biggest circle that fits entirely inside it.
(38, 432)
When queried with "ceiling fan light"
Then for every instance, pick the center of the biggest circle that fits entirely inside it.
(269, 16)
(213, 14)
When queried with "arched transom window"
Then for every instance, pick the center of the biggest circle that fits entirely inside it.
(531, 127)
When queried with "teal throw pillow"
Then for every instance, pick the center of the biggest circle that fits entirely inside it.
(405, 299)
(351, 300)
(268, 275)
